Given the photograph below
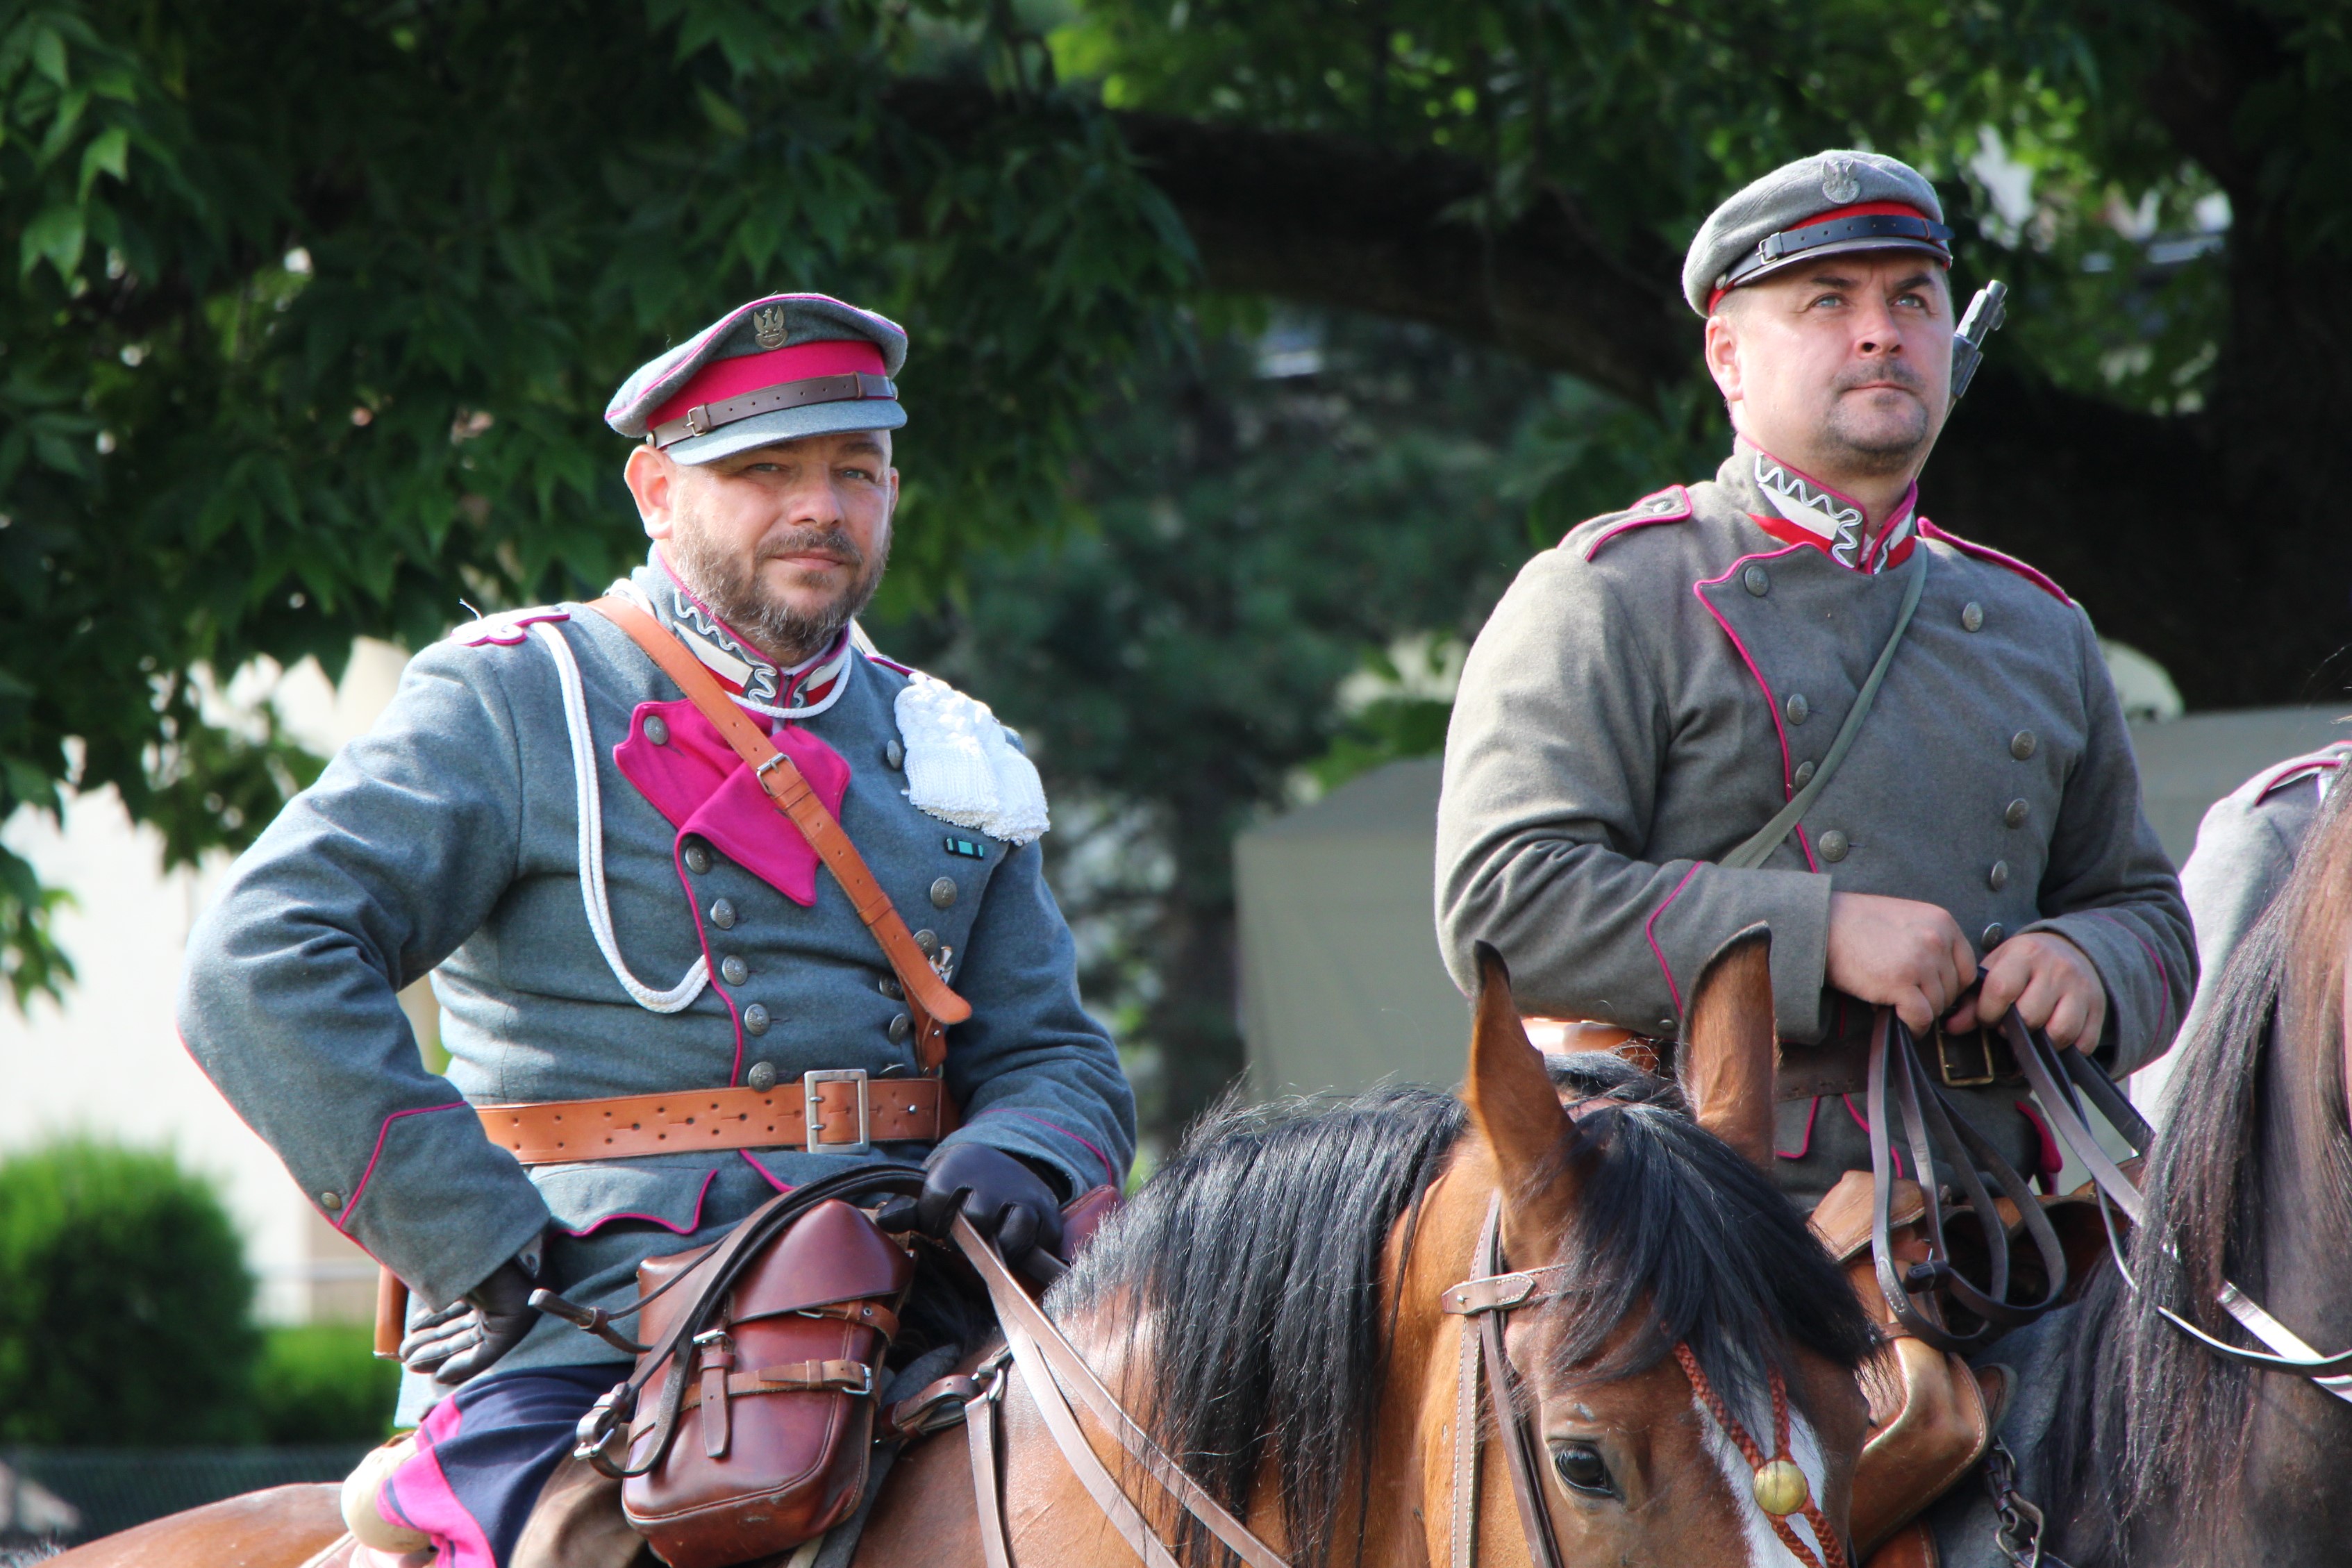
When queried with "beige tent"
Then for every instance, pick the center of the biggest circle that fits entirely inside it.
(1341, 984)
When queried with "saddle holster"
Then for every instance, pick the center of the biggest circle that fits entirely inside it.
(1928, 1421)
(768, 1448)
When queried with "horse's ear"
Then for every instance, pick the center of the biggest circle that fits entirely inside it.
(1729, 1050)
(1511, 1098)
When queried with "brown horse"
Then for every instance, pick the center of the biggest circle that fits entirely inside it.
(2145, 1446)
(1269, 1307)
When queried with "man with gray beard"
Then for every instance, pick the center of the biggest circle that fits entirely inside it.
(1672, 678)
(624, 935)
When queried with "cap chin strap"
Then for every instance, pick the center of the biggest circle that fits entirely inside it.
(1775, 250)
(850, 386)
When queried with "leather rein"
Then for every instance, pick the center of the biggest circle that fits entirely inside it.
(2068, 1085)
(2063, 1080)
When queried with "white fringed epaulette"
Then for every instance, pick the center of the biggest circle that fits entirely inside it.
(962, 768)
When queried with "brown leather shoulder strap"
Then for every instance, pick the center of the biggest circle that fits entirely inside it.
(927, 997)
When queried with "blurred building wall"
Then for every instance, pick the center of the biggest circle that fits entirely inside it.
(108, 1061)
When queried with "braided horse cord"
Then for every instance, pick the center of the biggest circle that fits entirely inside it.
(1833, 1549)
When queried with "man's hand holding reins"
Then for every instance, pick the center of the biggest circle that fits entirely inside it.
(2050, 982)
(1899, 953)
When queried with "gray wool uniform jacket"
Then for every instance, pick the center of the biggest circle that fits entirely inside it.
(1650, 692)
(674, 934)
(2246, 846)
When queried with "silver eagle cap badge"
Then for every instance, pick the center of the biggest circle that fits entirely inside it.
(768, 326)
(1840, 184)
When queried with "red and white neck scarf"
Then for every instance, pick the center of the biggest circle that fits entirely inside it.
(1804, 511)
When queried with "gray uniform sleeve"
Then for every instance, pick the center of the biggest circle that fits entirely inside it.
(1552, 762)
(2244, 851)
(2109, 887)
(289, 1001)
(1035, 1075)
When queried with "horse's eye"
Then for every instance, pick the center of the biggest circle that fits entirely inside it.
(1582, 1467)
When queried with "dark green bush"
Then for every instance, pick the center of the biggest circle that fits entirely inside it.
(126, 1308)
(321, 1383)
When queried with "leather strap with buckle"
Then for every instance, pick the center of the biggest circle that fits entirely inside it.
(854, 1113)
(931, 1006)
(850, 386)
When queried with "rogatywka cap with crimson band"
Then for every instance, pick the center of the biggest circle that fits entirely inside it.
(1837, 201)
(775, 370)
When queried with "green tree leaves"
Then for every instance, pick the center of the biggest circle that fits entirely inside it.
(319, 304)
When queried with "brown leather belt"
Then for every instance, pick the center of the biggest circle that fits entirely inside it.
(854, 1113)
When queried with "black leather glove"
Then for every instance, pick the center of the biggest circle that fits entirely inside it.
(475, 1329)
(1002, 1197)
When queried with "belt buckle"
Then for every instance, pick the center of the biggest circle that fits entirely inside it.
(1944, 1063)
(811, 1109)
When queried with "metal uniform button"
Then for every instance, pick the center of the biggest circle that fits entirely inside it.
(2022, 744)
(943, 892)
(1804, 775)
(1797, 708)
(331, 1200)
(889, 986)
(2017, 813)
(657, 729)
(900, 1027)
(733, 970)
(1997, 878)
(929, 940)
(722, 914)
(894, 754)
(1971, 616)
(762, 1078)
(1993, 935)
(755, 1019)
(1833, 845)
(1757, 581)
(698, 857)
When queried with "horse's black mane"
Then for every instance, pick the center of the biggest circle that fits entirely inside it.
(2152, 1424)
(1249, 1268)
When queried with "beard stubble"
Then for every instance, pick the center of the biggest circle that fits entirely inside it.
(732, 587)
(1877, 443)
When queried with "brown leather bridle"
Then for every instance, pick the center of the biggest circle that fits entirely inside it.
(1488, 1297)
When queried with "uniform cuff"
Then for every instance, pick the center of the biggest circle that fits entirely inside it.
(1082, 1164)
(2139, 1022)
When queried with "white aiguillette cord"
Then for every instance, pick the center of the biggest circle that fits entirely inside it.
(1046, 1359)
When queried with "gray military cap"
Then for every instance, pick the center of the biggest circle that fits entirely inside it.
(1835, 200)
(775, 370)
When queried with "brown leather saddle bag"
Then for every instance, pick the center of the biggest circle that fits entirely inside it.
(768, 1448)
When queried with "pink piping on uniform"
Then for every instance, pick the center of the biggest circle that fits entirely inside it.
(770, 1175)
(1988, 552)
(1892, 1152)
(890, 664)
(1771, 704)
(1680, 512)
(2049, 1160)
(693, 1222)
(710, 965)
(351, 1205)
(1799, 1152)
(432, 1504)
(2163, 985)
(1650, 931)
(1110, 1171)
(2292, 770)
